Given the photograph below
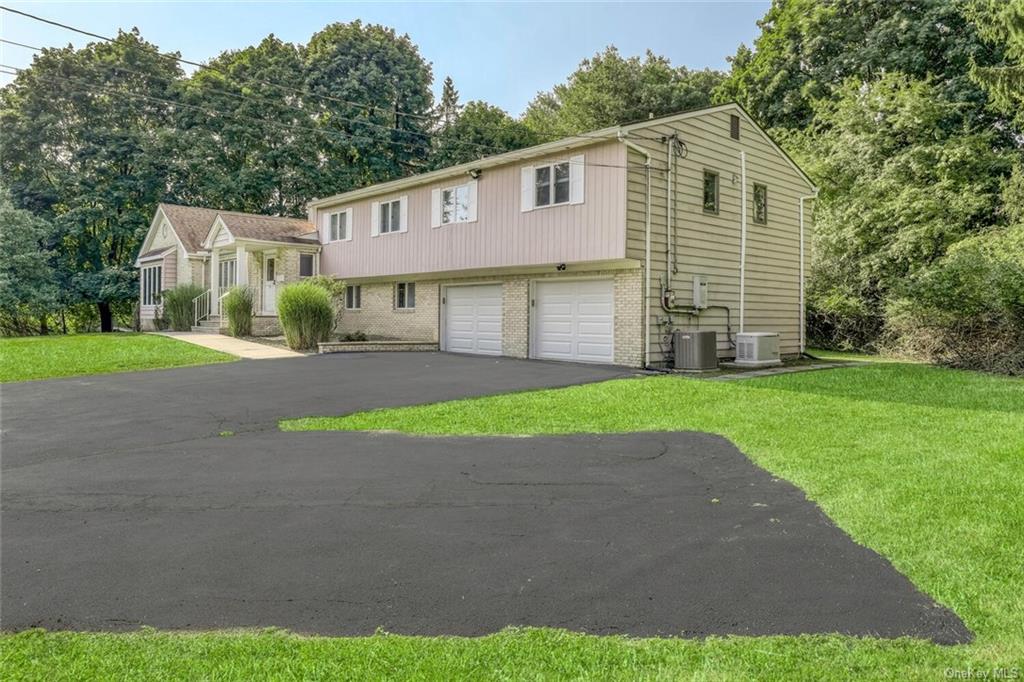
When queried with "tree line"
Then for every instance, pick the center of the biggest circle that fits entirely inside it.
(907, 115)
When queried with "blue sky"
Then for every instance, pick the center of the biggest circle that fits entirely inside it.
(503, 53)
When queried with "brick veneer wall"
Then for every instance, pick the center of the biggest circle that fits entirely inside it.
(378, 317)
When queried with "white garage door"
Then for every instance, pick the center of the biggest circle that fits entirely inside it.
(473, 319)
(575, 321)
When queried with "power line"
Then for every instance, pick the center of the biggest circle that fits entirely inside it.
(368, 107)
(89, 87)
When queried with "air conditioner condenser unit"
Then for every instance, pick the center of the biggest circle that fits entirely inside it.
(757, 349)
(695, 350)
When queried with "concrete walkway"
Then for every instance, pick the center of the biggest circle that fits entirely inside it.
(233, 346)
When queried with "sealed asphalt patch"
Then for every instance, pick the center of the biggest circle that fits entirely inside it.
(648, 534)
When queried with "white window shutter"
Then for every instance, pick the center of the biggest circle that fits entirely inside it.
(472, 201)
(526, 188)
(325, 219)
(403, 214)
(576, 169)
(375, 219)
(349, 227)
(435, 208)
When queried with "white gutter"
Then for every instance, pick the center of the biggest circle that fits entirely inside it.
(743, 236)
(647, 247)
(803, 307)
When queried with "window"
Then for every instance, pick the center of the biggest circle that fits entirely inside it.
(338, 226)
(353, 297)
(455, 205)
(405, 295)
(734, 126)
(391, 216)
(551, 184)
(710, 192)
(152, 280)
(305, 265)
(226, 270)
(760, 204)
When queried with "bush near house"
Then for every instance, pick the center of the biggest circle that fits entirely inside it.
(238, 306)
(178, 312)
(306, 314)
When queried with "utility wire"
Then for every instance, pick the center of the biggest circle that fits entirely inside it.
(307, 93)
(89, 88)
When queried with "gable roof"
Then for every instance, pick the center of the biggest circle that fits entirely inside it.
(192, 225)
(564, 144)
(267, 228)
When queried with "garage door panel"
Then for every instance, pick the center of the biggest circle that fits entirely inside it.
(473, 319)
(575, 320)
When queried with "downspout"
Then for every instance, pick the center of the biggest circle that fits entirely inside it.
(743, 237)
(803, 305)
(647, 246)
(670, 242)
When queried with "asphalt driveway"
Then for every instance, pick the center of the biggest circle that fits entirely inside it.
(345, 533)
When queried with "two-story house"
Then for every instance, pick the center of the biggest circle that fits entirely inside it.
(585, 249)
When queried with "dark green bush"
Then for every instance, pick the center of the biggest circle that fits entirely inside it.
(968, 309)
(177, 303)
(238, 306)
(306, 314)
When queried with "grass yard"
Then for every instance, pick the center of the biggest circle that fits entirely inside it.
(46, 357)
(924, 465)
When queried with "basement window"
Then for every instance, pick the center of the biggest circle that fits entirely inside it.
(353, 297)
(405, 295)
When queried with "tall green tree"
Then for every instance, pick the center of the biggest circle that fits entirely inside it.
(371, 91)
(808, 49)
(86, 137)
(900, 184)
(609, 89)
(480, 130)
(258, 155)
(448, 109)
(1001, 23)
(28, 288)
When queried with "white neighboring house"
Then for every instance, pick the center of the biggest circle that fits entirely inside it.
(217, 250)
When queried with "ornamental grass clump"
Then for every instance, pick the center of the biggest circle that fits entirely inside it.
(238, 305)
(177, 302)
(306, 314)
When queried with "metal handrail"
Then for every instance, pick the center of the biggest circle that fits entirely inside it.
(201, 306)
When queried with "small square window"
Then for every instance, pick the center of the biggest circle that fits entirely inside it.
(353, 297)
(710, 192)
(551, 184)
(391, 216)
(305, 265)
(339, 226)
(405, 295)
(455, 205)
(760, 204)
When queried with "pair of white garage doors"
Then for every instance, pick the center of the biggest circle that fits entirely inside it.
(570, 320)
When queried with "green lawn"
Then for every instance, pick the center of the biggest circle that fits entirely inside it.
(45, 357)
(924, 465)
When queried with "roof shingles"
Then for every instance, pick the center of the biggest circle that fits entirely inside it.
(193, 224)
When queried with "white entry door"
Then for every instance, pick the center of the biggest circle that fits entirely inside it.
(270, 285)
(575, 320)
(472, 321)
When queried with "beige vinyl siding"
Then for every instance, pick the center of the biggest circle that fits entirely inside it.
(709, 244)
(502, 235)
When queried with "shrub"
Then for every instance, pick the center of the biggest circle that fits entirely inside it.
(306, 314)
(968, 309)
(238, 305)
(177, 302)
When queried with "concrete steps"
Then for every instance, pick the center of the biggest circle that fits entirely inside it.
(210, 325)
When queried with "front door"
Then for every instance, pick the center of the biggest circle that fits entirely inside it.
(269, 286)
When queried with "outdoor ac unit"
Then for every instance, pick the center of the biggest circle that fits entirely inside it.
(695, 350)
(757, 349)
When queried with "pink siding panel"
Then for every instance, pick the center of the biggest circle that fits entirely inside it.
(503, 235)
(170, 271)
